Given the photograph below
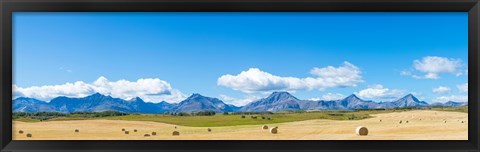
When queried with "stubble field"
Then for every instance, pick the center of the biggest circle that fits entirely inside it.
(422, 125)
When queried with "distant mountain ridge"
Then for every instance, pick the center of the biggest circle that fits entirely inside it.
(197, 102)
(277, 101)
(285, 101)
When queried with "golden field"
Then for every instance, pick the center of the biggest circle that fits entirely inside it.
(422, 125)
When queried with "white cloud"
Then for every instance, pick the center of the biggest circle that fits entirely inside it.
(463, 88)
(433, 66)
(255, 80)
(238, 102)
(443, 99)
(379, 92)
(441, 90)
(149, 89)
(332, 96)
(67, 70)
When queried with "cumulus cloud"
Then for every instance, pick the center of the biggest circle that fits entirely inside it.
(463, 88)
(237, 101)
(149, 89)
(379, 92)
(255, 80)
(329, 96)
(456, 98)
(441, 90)
(433, 66)
(67, 70)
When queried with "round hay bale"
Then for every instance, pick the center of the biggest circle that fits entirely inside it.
(134, 130)
(154, 133)
(263, 117)
(21, 131)
(462, 121)
(76, 130)
(274, 130)
(175, 133)
(123, 129)
(361, 131)
(209, 130)
(146, 135)
(127, 132)
(400, 122)
(445, 121)
(268, 118)
(380, 120)
(29, 135)
(243, 116)
(175, 127)
(406, 121)
(264, 127)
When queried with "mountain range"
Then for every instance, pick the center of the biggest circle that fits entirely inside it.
(277, 101)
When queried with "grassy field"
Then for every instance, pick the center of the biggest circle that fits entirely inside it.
(229, 120)
(234, 120)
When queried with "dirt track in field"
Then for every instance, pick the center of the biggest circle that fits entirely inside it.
(430, 127)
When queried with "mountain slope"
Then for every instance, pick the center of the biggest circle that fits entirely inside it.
(277, 101)
(197, 102)
(450, 104)
(93, 103)
(23, 104)
(408, 101)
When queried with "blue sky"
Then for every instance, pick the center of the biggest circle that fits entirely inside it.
(378, 56)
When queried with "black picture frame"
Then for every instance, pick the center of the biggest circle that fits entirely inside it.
(7, 7)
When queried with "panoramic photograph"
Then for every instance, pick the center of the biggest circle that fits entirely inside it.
(240, 76)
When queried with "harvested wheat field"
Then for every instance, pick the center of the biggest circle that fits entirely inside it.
(432, 126)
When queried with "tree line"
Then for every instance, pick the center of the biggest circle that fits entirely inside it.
(49, 115)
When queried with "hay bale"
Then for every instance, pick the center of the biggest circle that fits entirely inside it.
(134, 130)
(21, 131)
(29, 135)
(400, 122)
(243, 116)
(209, 130)
(154, 133)
(263, 117)
(127, 132)
(175, 133)
(123, 129)
(445, 121)
(264, 127)
(406, 121)
(462, 121)
(76, 130)
(175, 127)
(361, 131)
(274, 130)
(146, 135)
(268, 118)
(380, 120)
